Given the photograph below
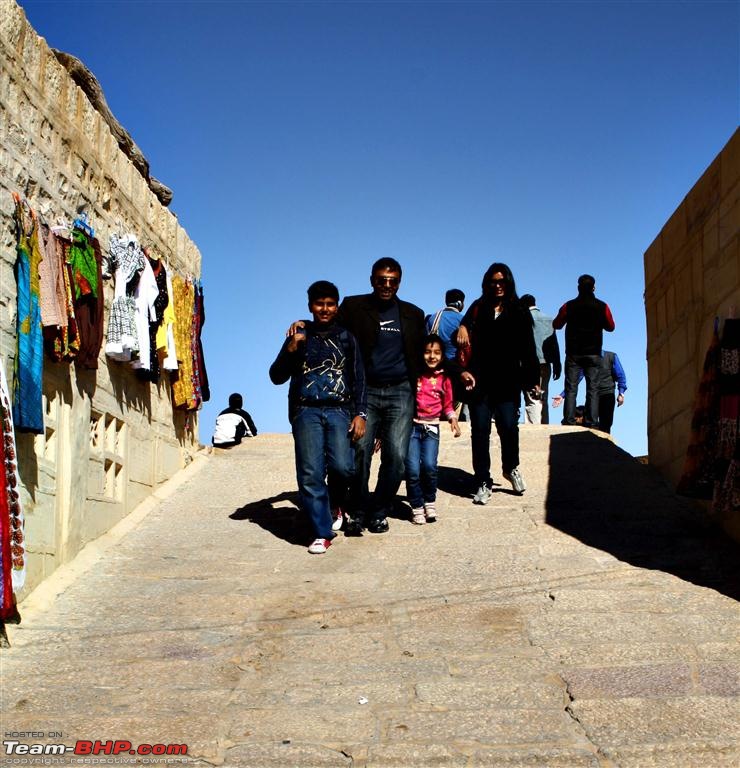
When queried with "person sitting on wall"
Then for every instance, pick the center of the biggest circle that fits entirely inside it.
(232, 424)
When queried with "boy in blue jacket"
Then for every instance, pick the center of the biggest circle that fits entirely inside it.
(327, 405)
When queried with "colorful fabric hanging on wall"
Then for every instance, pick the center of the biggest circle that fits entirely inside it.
(727, 489)
(12, 546)
(183, 395)
(28, 365)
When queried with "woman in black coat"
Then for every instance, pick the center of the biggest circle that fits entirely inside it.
(504, 362)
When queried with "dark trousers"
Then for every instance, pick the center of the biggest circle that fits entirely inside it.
(591, 367)
(507, 426)
(606, 412)
(390, 411)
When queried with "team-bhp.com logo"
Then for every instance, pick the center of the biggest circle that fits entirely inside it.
(91, 748)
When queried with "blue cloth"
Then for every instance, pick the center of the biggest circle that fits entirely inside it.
(390, 411)
(449, 322)
(421, 464)
(322, 445)
(506, 414)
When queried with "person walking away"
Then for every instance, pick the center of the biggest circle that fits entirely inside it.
(536, 409)
(433, 400)
(445, 322)
(585, 318)
(326, 405)
(503, 360)
(611, 372)
(233, 424)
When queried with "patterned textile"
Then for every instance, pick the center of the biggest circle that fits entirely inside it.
(183, 395)
(125, 262)
(166, 348)
(84, 265)
(12, 547)
(51, 281)
(63, 342)
(28, 364)
(160, 304)
(727, 488)
(697, 480)
(205, 389)
(89, 314)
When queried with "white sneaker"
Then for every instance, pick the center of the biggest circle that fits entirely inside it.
(319, 546)
(337, 518)
(430, 512)
(417, 516)
(516, 480)
(482, 495)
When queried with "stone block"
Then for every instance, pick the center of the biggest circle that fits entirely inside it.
(661, 315)
(730, 164)
(703, 198)
(719, 679)
(32, 56)
(653, 261)
(655, 680)
(729, 218)
(678, 347)
(638, 721)
(684, 288)
(552, 757)
(674, 236)
(12, 23)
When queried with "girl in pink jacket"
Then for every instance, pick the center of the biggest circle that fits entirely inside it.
(433, 401)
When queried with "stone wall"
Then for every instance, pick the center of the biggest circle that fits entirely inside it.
(692, 275)
(109, 439)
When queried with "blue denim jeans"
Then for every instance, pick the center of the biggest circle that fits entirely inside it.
(507, 426)
(591, 367)
(421, 464)
(322, 445)
(390, 411)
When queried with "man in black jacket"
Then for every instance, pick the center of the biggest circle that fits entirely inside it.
(585, 318)
(390, 333)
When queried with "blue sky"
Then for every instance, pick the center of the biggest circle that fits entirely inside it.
(305, 140)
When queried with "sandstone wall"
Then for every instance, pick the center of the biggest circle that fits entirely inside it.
(110, 439)
(692, 275)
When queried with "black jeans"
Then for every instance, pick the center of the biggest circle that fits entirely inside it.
(507, 426)
(591, 367)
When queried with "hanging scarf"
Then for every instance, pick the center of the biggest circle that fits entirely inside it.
(28, 363)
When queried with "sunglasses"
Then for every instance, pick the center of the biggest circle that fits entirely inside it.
(497, 282)
(391, 281)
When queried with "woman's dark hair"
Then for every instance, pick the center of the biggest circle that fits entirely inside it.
(510, 296)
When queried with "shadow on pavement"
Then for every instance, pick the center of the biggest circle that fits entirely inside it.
(602, 496)
(286, 522)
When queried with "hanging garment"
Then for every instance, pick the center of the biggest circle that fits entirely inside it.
(89, 315)
(697, 480)
(28, 364)
(85, 265)
(53, 297)
(160, 304)
(125, 262)
(12, 544)
(182, 385)
(203, 390)
(166, 347)
(727, 487)
(145, 296)
(62, 343)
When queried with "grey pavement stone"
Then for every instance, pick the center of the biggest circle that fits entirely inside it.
(659, 680)
(535, 758)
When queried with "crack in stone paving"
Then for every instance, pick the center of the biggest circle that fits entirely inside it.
(604, 761)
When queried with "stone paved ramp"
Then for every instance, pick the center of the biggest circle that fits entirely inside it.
(592, 622)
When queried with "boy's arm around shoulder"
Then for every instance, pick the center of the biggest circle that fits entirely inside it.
(285, 363)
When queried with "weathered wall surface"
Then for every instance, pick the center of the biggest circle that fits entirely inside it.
(692, 275)
(110, 439)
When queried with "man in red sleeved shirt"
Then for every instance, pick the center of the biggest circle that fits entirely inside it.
(585, 318)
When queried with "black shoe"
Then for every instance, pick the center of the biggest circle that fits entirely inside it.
(352, 528)
(378, 526)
